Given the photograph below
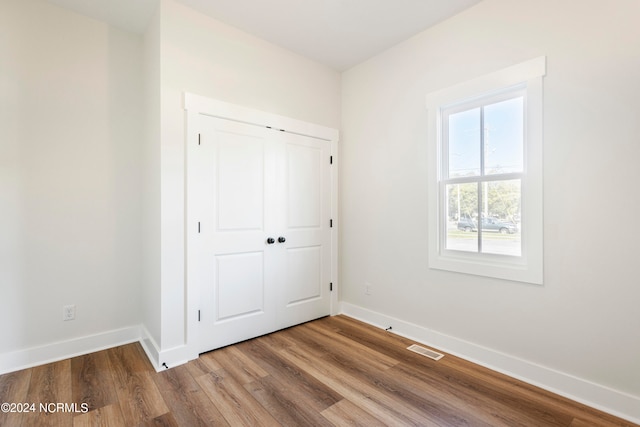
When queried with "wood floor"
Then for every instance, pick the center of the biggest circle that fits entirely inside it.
(333, 371)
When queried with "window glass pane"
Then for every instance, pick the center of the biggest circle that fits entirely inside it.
(462, 217)
(464, 143)
(501, 203)
(503, 136)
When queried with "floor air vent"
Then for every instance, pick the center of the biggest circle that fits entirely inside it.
(425, 352)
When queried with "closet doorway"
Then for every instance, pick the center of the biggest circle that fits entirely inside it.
(260, 251)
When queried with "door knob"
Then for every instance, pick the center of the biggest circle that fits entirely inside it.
(281, 239)
(270, 241)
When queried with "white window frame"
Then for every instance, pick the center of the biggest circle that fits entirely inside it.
(529, 266)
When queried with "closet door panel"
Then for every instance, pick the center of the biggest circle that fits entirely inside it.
(304, 186)
(239, 272)
(240, 182)
(240, 286)
(304, 274)
(304, 294)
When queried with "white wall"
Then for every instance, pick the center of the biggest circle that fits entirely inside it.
(206, 57)
(150, 286)
(70, 113)
(585, 320)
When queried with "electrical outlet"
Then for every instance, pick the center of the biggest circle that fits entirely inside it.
(68, 312)
(367, 288)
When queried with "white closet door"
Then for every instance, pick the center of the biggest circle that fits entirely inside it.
(237, 295)
(303, 291)
(265, 253)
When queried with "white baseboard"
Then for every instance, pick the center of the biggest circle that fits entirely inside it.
(54, 352)
(163, 359)
(173, 357)
(34, 356)
(603, 398)
(150, 347)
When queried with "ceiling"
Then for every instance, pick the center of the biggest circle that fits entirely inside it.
(131, 15)
(338, 33)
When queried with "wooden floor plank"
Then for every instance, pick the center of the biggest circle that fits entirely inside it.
(590, 420)
(50, 384)
(299, 382)
(371, 399)
(187, 402)
(345, 413)
(203, 365)
(105, 416)
(392, 345)
(288, 397)
(92, 381)
(164, 420)
(233, 401)
(139, 397)
(239, 365)
(470, 408)
(315, 332)
(13, 390)
(285, 403)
